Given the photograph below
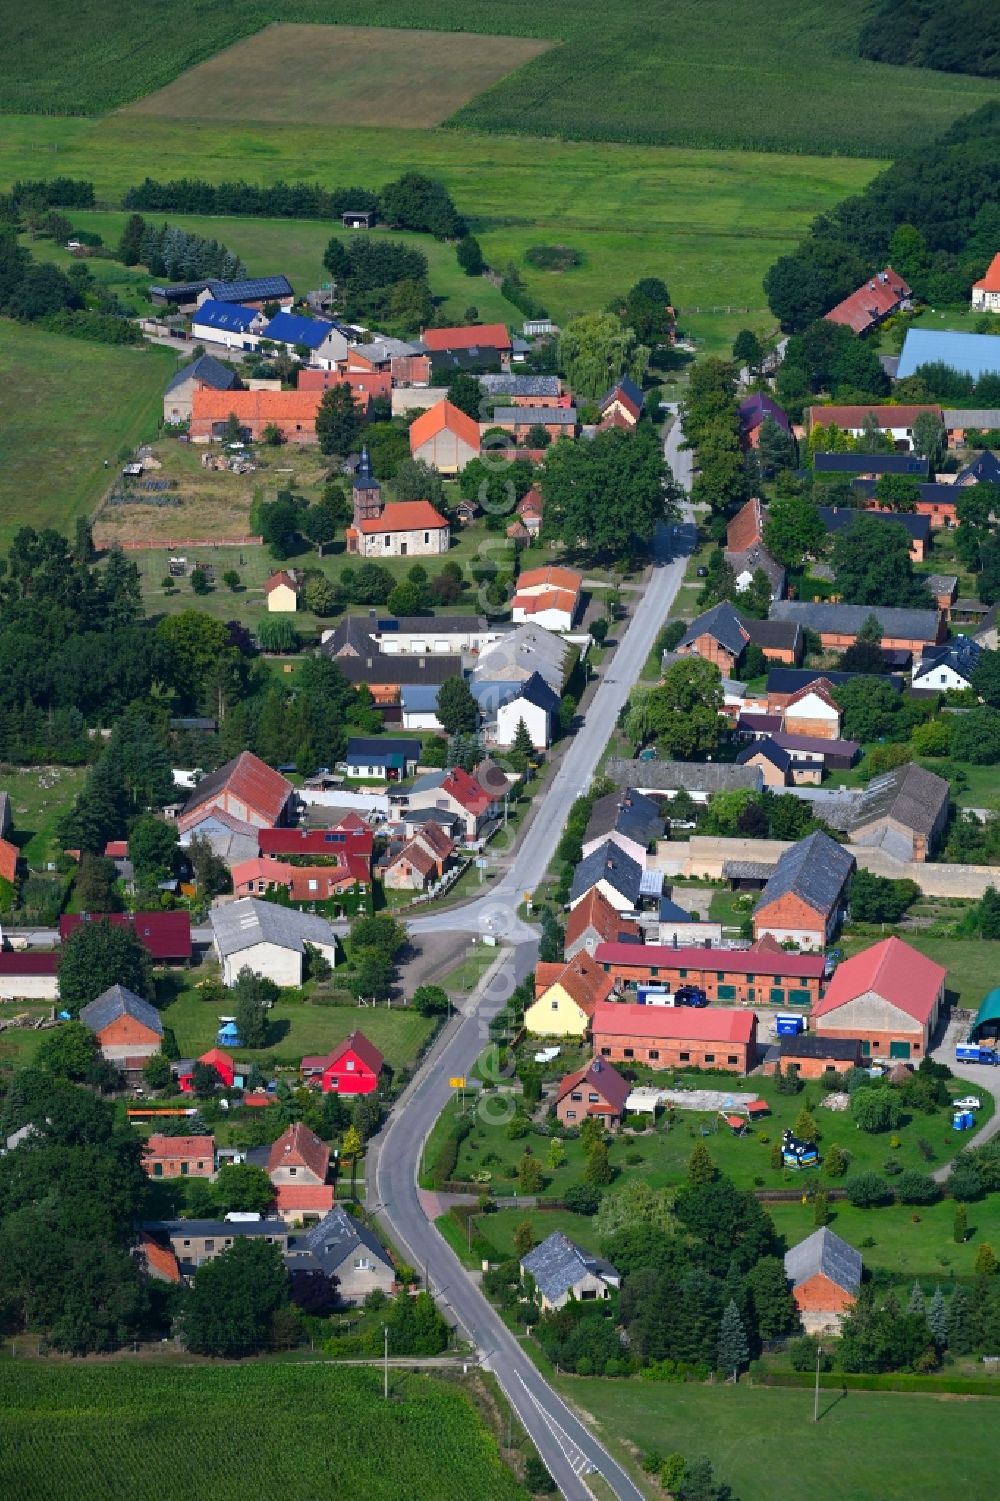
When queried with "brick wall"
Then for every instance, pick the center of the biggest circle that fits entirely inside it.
(748, 987)
(666, 1053)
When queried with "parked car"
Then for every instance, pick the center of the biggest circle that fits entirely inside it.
(690, 995)
(969, 1102)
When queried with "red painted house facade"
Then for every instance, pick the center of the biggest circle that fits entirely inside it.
(353, 1067)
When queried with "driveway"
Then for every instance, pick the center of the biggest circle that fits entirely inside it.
(984, 1080)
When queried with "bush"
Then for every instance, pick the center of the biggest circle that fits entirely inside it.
(868, 1191)
(582, 1198)
(802, 1354)
(917, 1188)
(553, 257)
(966, 1182)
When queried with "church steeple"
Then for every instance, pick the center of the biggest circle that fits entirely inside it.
(366, 492)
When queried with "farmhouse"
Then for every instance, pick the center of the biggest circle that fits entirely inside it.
(303, 883)
(889, 996)
(675, 1037)
(677, 928)
(421, 861)
(27, 976)
(804, 899)
(629, 819)
(352, 1067)
(781, 766)
(194, 1242)
(298, 1156)
(594, 920)
(699, 778)
(231, 324)
(523, 651)
(179, 1156)
(247, 788)
(556, 422)
(405, 528)
(902, 812)
(490, 342)
(268, 939)
(783, 684)
(387, 760)
(565, 997)
(612, 872)
(986, 291)
(368, 385)
(293, 333)
(445, 437)
(623, 405)
(562, 1271)
(813, 710)
(897, 422)
(748, 977)
(206, 371)
(838, 625)
(948, 666)
(504, 705)
(524, 390)
(547, 596)
(457, 792)
(825, 1273)
(597, 1090)
(281, 593)
(293, 413)
(872, 303)
(720, 635)
(124, 1024)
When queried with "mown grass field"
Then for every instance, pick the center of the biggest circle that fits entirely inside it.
(923, 1248)
(39, 797)
(66, 406)
(868, 1446)
(307, 72)
(120, 1430)
(774, 74)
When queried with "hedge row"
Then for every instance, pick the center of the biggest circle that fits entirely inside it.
(962, 1386)
(446, 1160)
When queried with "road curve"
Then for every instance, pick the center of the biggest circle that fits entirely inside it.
(566, 1445)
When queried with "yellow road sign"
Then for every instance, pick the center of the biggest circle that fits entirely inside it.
(458, 1083)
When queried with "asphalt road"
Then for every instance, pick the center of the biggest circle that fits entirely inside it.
(566, 1445)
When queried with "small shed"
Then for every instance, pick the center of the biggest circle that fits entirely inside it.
(359, 218)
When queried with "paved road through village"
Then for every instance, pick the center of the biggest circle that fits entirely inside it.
(566, 1445)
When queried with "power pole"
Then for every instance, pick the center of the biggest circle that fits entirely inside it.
(385, 1365)
(819, 1357)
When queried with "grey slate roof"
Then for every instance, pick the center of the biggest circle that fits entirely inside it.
(816, 869)
(723, 623)
(419, 698)
(537, 691)
(520, 385)
(909, 795)
(557, 416)
(240, 925)
(118, 1001)
(219, 1228)
(838, 518)
(559, 1263)
(985, 466)
(747, 870)
(827, 1253)
(960, 654)
(757, 556)
(326, 1244)
(984, 417)
(608, 863)
(207, 369)
(363, 748)
(791, 679)
(918, 625)
(767, 748)
(524, 650)
(693, 776)
(627, 812)
(779, 635)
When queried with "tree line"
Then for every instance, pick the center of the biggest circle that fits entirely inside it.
(960, 38)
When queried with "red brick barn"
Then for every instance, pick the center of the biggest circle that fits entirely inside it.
(889, 996)
(124, 1024)
(746, 976)
(675, 1037)
(179, 1157)
(825, 1273)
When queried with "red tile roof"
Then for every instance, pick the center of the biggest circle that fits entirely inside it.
(991, 281)
(467, 791)
(746, 527)
(892, 969)
(822, 687)
(368, 382)
(279, 578)
(255, 406)
(8, 860)
(166, 935)
(300, 1147)
(248, 779)
(682, 1023)
(405, 516)
(551, 576)
(345, 838)
(595, 911)
(600, 1076)
(116, 849)
(440, 417)
(180, 1146)
(160, 1259)
(468, 336)
(316, 1198)
(735, 961)
(583, 980)
(361, 1047)
(885, 416)
(418, 856)
(875, 300)
(548, 599)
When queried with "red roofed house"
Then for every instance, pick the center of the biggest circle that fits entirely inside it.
(455, 791)
(158, 1262)
(469, 336)
(445, 437)
(676, 1036)
(547, 596)
(9, 854)
(405, 529)
(297, 1166)
(292, 412)
(351, 836)
(281, 593)
(812, 710)
(529, 509)
(986, 293)
(179, 1156)
(304, 883)
(897, 422)
(421, 861)
(365, 383)
(872, 303)
(596, 1089)
(245, 787)
(889, 995)
(565, 996)
(215, 1058)
(595, 921)
(166, 935)
(622, 406)
(353, 1067)
(754, 976)
(746, 529)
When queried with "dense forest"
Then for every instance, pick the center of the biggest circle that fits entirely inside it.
(963, 37)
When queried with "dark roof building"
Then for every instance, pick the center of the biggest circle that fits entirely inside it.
(117, 1002)
(803, 897)
(608, 867)
(629, 813)
(983, 469)
(723, 623)
(559, 1266)
(940, 666)
(903, 812)
(837, 518)
(207, 370)
(696, 777)
(754, 410)
(871, 464)
(845, 621)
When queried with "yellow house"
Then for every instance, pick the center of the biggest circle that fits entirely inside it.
(565, 997)
(281, 593)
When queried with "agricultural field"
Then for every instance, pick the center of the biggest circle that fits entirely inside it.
(121, 1428)
(786, 79)
(709, 222)
(296, 1026)
(867, 1446)
(303, 73)
(66, 408)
